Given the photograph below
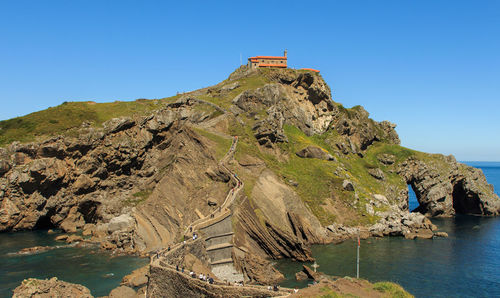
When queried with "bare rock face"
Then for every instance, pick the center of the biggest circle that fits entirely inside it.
(70, 182)
(218, 174)
(259, 270)
(286, 228)
(300, 99)
(137, 278)
(45, 288)
(4, 167)
(360, 131)
(118, 124)
(122, 292)
(445, 187)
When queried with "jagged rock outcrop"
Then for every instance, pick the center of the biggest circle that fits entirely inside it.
(392, 223)
(48, 288)
(259, 270)
(445, 187)
(299, 99)
(105, 173)
(360, 131)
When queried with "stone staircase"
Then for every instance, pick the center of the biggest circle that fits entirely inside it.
(219, 246)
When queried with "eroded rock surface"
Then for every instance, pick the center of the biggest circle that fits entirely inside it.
(105, 176)
(446, 187)
(48, 288)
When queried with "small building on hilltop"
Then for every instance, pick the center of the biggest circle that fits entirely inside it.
(268, 61)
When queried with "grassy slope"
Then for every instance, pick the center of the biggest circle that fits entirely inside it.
(224, 99)
(387, 289)
(359, 288)
(61, 119)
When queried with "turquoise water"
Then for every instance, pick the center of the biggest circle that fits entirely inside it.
(99, 271)
(466, 264)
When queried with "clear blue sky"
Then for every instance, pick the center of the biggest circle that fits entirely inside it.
(432, 67)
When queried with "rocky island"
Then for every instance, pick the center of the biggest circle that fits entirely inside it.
(221, 180)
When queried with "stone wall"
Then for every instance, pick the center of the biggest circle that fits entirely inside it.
(166, 282)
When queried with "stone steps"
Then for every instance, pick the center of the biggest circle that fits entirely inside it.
(219, 246)
(219, 235)
(223, 261)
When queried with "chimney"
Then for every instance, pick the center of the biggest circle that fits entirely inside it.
(285, 52)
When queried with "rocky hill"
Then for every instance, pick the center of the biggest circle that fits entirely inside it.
(313, 171)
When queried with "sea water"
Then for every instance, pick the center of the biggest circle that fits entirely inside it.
(466, 264)
(97, 270)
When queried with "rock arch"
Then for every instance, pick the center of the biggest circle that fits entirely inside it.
(446, 187)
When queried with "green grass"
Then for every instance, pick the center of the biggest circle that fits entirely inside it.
(222, 144)
(70, 115)
(138, 198)
(391, 289)
(316, 178)
(247, 83)
(388, 289)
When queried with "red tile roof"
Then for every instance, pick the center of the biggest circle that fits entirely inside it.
(310, 69)
(268, 57)
(272, 65)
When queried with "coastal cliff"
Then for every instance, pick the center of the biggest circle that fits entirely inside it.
(313, 172)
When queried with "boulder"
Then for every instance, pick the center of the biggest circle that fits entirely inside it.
(62, 237)
(34, 250)
(347, 185)
(387, 159)
(301, 275)
(380, 200)
(120, 223)
(230, 87)
(425, 234)
(315, 152)
(4, 167)
(83, 184)
(376, 173)
(441, 234)
(74, 238)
